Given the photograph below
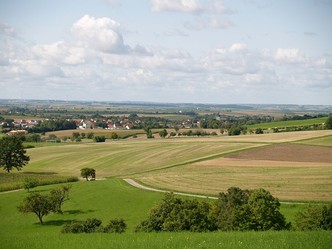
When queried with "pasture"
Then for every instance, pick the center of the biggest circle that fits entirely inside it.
(114, 198)
(289, 123)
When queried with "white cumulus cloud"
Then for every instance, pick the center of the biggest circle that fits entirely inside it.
(190, 6)
(100, 33)
(288, 55)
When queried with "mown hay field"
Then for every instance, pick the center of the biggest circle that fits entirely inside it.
(126, 157)
(199, 164)
(289, 171)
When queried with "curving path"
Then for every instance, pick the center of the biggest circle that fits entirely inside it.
(137, 185)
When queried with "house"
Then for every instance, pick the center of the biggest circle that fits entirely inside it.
(14, 132)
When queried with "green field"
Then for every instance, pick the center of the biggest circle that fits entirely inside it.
(290, 123)
(195, 165)
(113, 198)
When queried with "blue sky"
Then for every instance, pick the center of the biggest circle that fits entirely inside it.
(212, 51)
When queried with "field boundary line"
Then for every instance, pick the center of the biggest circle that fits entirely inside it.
(197, 160)
(11, 191)
(140, 186)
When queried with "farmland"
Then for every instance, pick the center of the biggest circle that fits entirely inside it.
(289, 123)
(293, 166)
(206, 165)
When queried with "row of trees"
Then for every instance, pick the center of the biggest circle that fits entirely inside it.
(53, 125)
(236, 210)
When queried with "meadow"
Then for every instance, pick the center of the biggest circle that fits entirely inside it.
(114, 198)
(289, 123)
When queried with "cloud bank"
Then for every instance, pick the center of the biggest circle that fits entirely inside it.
(97, 63)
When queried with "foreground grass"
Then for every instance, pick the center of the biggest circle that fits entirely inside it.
(114, 198)
(233, 240)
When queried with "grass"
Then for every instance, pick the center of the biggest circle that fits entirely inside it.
(320, 141)
(114, 198)
(289, 123)
(15, 180)
(124, 158)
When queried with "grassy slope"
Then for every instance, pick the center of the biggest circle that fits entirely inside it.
(290, 123)
(121, 158)
(114, 199)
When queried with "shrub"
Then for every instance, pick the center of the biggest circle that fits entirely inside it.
(91, 225)
(99, 139)
(73, 228)
(116, 226)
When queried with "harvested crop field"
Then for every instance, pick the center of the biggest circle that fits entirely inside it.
(288, 152)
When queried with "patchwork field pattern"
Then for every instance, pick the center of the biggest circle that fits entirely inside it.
(289, 171)
(206, 165)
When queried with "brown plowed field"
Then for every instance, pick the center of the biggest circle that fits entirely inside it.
(288, 152)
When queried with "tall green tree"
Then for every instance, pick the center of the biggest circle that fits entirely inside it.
(12, 153)
(243, 210)
(328, 123)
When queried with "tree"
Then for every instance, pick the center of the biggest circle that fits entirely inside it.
(163, 133)
(148, 132)
(248, 210)
(234, 131)
(57, 197)
(38, 204)
(328, 123)
(318, 217)
(87, 172)
(264, 210)
(12, 153)
(175, 214)
(29, 183)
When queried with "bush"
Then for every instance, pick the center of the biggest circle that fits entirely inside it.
(99, 139)
(315, 218)
(73, 228)
(116, 226)
(91, 225)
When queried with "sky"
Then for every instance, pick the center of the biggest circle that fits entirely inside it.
(175, 51)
